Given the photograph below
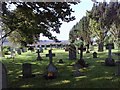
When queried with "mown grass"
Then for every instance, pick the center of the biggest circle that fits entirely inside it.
(96, 75)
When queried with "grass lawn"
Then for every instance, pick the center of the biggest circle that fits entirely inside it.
(96, 75)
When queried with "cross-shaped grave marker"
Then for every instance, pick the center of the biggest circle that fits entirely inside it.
(38, 52)
(81, 51)
(109, 61)
(50, 55)
(81, 61)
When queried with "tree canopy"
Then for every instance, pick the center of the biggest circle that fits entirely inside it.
(29, 19)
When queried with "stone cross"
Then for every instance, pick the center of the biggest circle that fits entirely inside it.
(109, 61)
(110, 47)
(38, 57)
(50, 55)
(81, 51)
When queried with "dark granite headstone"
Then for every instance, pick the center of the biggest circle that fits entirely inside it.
(72, 52)
(60, 61)
(27, 70)
(94, 55)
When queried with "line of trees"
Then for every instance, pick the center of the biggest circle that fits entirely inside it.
(102, 22)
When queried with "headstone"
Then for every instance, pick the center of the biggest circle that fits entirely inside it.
(72, 52)
(45, 47)
(18, 51)
(3, 76)
(50, 55)
(41, 49)
(95, 55)
(27, 70)
(109, 61)
(60, 61)
(38, 54)
(82, 61)
(51, 46)
(51, 69)
(31, 48)
(87, 48)
(117, 73)
(23, 49)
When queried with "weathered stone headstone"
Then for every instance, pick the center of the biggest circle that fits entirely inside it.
(94, 54)
(51, 69)
(109, 61)
(27, 70)
(72, 52)
(3, 76)
(45, 47)
(41, 49)
(38, 54)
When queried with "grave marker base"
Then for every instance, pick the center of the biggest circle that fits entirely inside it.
(82, 63)
(109, 62)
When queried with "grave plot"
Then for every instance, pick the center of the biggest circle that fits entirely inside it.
(110, 61)
(52, 71)
(72, 52)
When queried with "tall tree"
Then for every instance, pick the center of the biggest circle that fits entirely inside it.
(30, 19)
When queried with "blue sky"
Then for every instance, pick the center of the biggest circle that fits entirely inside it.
(80, 11)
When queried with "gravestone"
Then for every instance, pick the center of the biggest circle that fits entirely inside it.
(3, 76)
(12, 53)
(19, 51)
(72, 52)
(45, 47)
(109, 61)
(51, 46)
(23, 49)
(51, 68)
(27, 71)
(31, 49)
(38, 55)
(60, 61)
(81, 61)
(41, 49)
(95, 55)
(87, 48)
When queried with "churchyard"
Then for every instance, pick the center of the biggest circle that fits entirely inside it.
(96, 75)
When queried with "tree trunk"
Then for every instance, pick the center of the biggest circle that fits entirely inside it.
(101, 47)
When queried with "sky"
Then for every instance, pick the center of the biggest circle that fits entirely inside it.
(80, 11)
